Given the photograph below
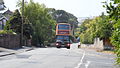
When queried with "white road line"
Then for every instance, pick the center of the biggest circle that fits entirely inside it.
(81, 61)
(87, 64)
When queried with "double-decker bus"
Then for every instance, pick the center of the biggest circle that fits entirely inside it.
(63, 33)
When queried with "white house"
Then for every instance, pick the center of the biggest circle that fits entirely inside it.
(4, 17)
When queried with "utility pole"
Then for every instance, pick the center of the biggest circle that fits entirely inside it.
(21, 38)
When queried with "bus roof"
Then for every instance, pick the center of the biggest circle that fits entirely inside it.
(64, 23)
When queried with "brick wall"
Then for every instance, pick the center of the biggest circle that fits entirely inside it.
(9, 41)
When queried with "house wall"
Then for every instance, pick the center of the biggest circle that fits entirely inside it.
(2, 23)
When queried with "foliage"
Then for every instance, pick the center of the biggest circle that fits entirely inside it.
(77, 32)
(27, 28)
(3, 32)
(40, 20)
(6, 32)
(113, 9)
(115, 39)
(14, 24)
(85, 33)
(63, 16)
(86, 38)
(83, 26)
(104, 27)
(97, 27)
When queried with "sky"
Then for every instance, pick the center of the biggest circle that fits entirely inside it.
(79, 8)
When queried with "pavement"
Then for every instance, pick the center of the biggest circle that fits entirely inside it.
(5, 51)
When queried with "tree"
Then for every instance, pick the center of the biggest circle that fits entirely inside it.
(83, 26)
(63, 16)
(113, 9)
(86, 32)
(104, 27)
(97, 27)
(40, 20)
(15, 22)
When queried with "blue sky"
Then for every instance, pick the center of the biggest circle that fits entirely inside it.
(80, 8)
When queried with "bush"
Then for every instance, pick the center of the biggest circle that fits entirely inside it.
(3, 32)
(7, 32)
(115, 39)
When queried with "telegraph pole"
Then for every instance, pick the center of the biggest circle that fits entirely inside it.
(21, 38)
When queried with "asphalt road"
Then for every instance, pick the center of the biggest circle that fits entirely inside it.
(59, 58)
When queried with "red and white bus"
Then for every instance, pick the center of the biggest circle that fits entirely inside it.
(63, 33)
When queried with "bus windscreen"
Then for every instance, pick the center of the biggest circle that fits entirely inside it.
(62, 38)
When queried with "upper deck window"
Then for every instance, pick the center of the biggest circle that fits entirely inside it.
(63, 27)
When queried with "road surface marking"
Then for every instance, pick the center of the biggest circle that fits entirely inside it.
(81, 61)
(87, 64)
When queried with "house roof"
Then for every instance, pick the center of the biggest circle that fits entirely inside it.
(8, 12)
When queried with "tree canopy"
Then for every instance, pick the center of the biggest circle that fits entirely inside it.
(38, 23)
(113, 9)
(41, 21)
(97, 27)
(64, 17)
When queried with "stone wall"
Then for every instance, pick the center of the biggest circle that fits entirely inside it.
(9, 41)
(98, 45)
